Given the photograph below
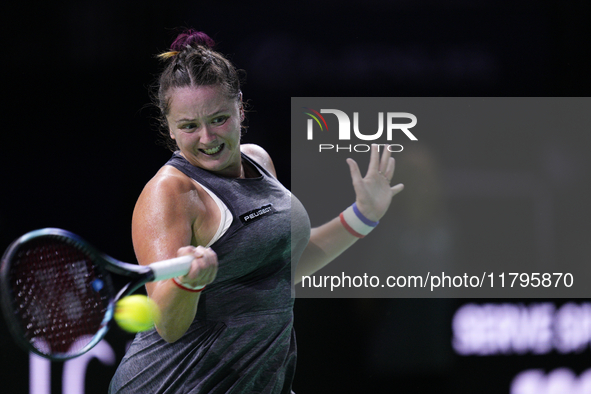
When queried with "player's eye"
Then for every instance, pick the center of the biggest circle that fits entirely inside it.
(220, 120)
(188, 126)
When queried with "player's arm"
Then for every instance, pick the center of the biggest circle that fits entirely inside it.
(373, 195)
(162, 228)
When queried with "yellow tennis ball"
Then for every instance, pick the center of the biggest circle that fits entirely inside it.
(136, 313)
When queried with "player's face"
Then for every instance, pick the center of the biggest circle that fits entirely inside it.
(205, 124)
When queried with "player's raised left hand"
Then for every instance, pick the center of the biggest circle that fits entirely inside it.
(373, 192)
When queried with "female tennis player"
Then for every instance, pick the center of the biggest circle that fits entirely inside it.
(227, 326)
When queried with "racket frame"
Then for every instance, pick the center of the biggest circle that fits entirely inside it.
(139, 275)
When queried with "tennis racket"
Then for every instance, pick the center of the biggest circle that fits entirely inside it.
(57, 291)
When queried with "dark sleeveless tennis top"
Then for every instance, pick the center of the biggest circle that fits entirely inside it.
(242, 339)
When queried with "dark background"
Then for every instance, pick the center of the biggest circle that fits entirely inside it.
(79, 143)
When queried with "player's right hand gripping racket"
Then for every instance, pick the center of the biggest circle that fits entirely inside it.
(57, 292)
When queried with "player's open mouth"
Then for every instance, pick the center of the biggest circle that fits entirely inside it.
(212, 151)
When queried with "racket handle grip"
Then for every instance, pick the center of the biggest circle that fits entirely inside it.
(171, 268)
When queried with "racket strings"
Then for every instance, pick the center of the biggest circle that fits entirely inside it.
(59, 296)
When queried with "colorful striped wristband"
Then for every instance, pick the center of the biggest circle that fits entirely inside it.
(355, 223)
(196, 289)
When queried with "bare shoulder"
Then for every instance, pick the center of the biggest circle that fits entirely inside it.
(164, 215)
(259, 155)
(168, 199)
(168, 184)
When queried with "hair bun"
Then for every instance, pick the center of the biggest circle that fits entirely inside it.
(192, 38)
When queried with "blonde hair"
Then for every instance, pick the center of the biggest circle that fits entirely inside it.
(167, 55)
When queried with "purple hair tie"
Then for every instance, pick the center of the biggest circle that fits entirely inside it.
(191, 37)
